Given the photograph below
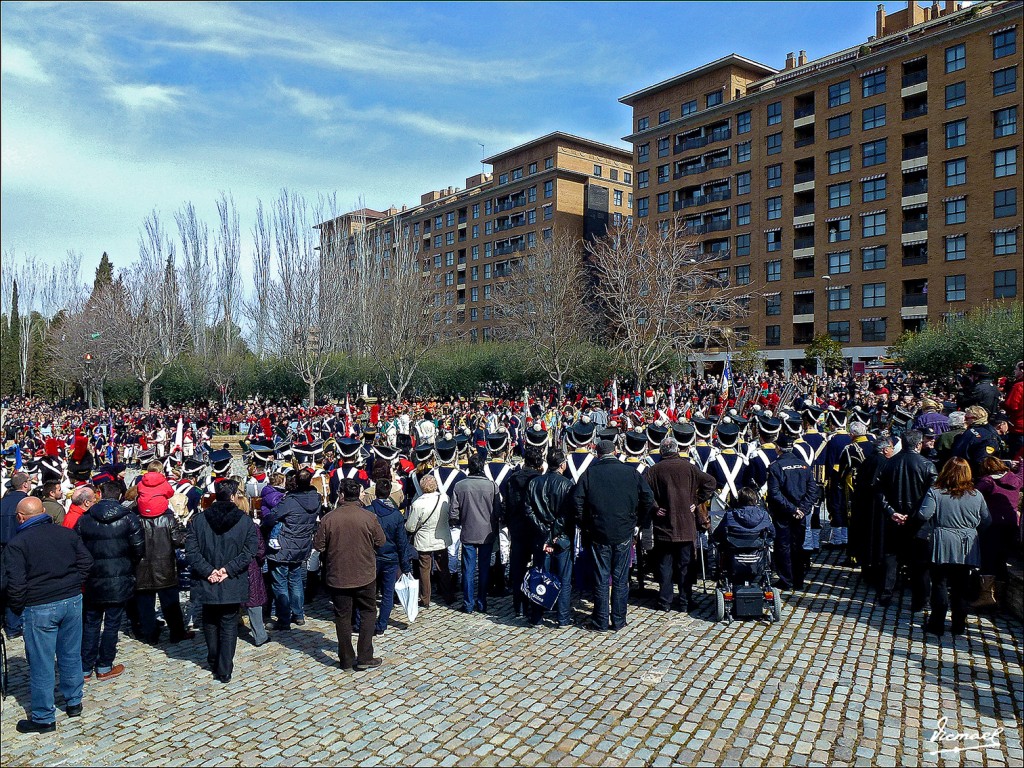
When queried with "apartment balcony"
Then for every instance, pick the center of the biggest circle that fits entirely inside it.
(915, 300)
(690, 202)
(915, 188)
(702, 141)
(804, 142)
(802, 273)
(804, 111)
(915, 225)
(919, 111)
(915, 259)
(710, 226)
(801, 243)
(803, 176)
(504, 249)
(803, 209)
(508, 204)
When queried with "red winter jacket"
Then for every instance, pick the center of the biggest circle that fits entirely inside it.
(154, 491)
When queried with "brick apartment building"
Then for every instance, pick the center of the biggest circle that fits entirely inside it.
(864, 192)
(469, 238)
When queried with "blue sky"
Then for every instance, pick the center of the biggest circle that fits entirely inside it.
(113, 110)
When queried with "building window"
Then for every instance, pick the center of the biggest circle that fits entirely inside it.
(1005, 203)
(839, 195)
(956, 288)
(956, 211)
(664, 146)
(688, 108)
(531, 168)
(956, 247)
(618, 197)
(474, 273)
(873, 224)
(839, 126)
(437, 263)
(1005, 283)
(449, 259)
(598, 170)
(743, 152)
(956, 95)
(839, 160)
(743, 183)
(474, 294)
(487, 252)
(1004, 43)
(743, 274)
(742, 245)
(548, 233)
(487, 271)
(663, 173)
(531, 216)
(873, 84)
(549, 211)
(643, 123)
(775, 113)
(1004, 81)
(627, 177)
(663, 116)
(503, 178)
(772, 335)
(1004, 122)
(487, 292)
(838, 299)
(873, 295)
(839, 330)
(774, 208)
(531, 194)
(956, 58)
(1004, 243)
(839, 94)
(476, 210)
(713, 99)
(517, 174)
(1006, 162)
(873, 153)
(641, 206)
(839, 263)
(662, 202)
(742, 214)
(873, 258)
(872, 190)
(773, 304)
(839, 230)
(549, 188)
(774, 143)
(956, 134)
(773, 241)
(872, 330)
(743, 122)
(774, 270)
(956, 172)
(613, 174)
(774, 173)
(874, 117)
(643, 152)
(643, 179)
(549, 163)
(449, 238)
(437, 241)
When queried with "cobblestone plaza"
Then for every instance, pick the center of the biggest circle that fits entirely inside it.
(838, 681)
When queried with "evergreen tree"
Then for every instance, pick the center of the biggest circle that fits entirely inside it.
(11, 351)
(104, 273)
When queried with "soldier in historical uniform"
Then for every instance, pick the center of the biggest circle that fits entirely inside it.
(498, 470)
(447, 474)
(579, 440)
(655, 434)
(703, 451)
(728, 467)
(766, 454)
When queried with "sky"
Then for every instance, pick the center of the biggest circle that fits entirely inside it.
(111, 111)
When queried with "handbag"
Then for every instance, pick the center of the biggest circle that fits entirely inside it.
(541, 587)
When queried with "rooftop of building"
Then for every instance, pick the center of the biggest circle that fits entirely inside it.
(731, 60)
(624, 154)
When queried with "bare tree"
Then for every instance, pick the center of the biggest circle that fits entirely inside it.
(224, 359)
(151, 325)
(195, 279)
(86, 344)
(404, 316)
(659, 293)
(307, 306)
(257, 311)
(30, 275)
(544, 303)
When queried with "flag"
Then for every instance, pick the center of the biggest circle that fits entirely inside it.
(672, 396)
(348, 417)
(727, 375)
(178, 435)
(615, 394)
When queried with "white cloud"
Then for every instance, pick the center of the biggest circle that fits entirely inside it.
(306, 103)
(21, 63)
(141, 97)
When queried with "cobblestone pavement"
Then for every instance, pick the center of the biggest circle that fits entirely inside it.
(839, 680)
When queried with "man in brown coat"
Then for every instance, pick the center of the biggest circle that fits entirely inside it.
(679, 490)
(347, 539)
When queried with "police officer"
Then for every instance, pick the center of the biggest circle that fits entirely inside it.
(792, 494)
(978, 441)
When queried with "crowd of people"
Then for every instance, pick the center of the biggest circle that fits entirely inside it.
(544, 498)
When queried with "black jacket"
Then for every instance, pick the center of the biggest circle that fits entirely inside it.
(159, 568)
(902, 485)
(983, 393)
(396, 550)
(610, 500)
(549, 509)
(791, 487)
(298, 514)
(516, 500)
(8, 515)
(43, 563)
(113, 535)
(221, 537)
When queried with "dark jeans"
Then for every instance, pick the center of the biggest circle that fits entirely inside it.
(53, 639)
(288, 584)
(673, 559)
(916, 555)
(346, 602)
(789, 554)
(611, 562)
(444, 577)
(476, 567)
(387, 575)
(519, 555)
(220, 628)
(100, 627)
(170, 605)
(557, 564)
(949, 581)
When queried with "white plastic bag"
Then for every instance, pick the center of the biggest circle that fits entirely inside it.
(407, 590)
